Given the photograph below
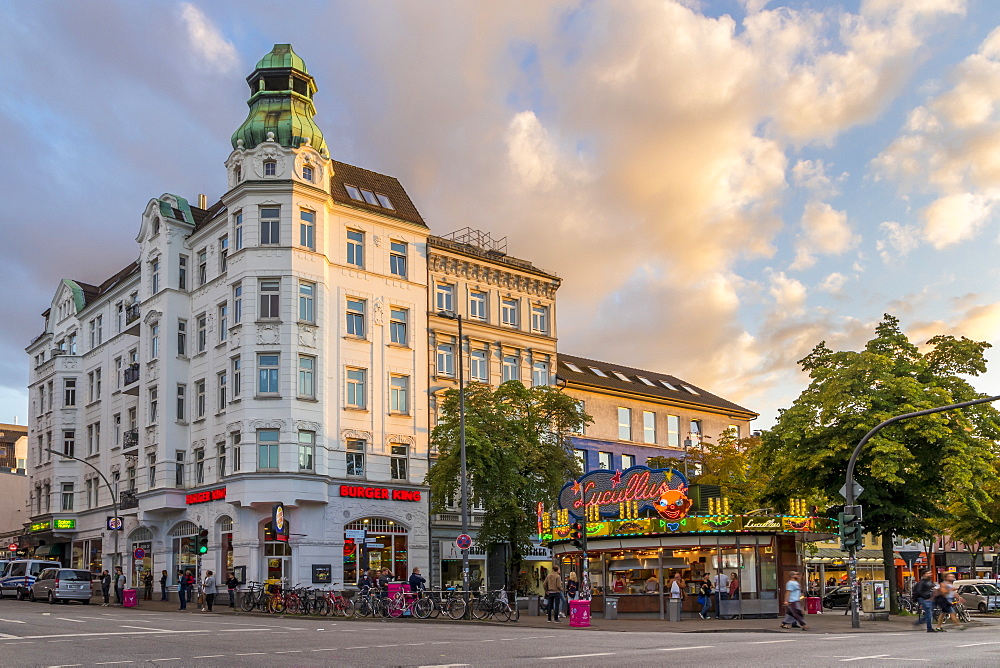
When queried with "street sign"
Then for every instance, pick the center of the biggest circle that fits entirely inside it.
(116, 523)
(356, 534)
(139, 553)
(858, 489)
(12, 547)
(464, 542)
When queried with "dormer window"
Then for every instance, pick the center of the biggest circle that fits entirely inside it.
(307, 174)
(354, 193)
(270, 168)
(384, 201)
(373, 198)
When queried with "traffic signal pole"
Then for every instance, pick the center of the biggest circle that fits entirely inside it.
(852, 559)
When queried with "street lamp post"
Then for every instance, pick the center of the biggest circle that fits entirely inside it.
(114, 501)
(451, 315)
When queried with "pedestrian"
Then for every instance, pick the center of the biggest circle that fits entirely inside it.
(182, 589)
(106, 588)
(232, 584)
(163, 586)
(572, 589)
(147, 586)
(793, 596)
(923, 595)
(553, 592)
(677, 586)
(417, 581)
(705, 597)
(721, 586)
(210, 589)
(944, 598)
(366, 582)
(119, 585)
(734, 587)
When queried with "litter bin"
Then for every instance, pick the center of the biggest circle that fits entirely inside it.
(533, 605)
(674, 610)
(130, 598)
(579, 613)
(610, 608)
(814, 605)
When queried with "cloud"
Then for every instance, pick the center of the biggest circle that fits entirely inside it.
(215, 51)
(824, 232)
(833, 283)
(899, 240)
(979, 322)
(955, 218)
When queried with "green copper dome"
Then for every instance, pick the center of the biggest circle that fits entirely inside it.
(281, 92)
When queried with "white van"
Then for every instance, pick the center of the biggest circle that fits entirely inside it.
(18, 576)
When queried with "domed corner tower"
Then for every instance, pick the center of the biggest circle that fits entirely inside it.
(279, 140)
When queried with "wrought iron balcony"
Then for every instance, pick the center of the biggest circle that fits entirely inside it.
(128, 500)
(131, 439)
(131, 313)
(131, 374)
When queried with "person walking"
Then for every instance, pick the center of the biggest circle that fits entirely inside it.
(147, 586)
(945, 597)
(923, 595)
(119, 585)
(163, 586)
(793, 597)
(210, 589)
(553, 592)
(106, 588)
(232, 584)
(705, 597)
(183, 588)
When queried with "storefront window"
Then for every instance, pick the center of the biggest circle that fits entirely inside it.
(278, 561)
(385, 546)
(182, 537)
(226, 544)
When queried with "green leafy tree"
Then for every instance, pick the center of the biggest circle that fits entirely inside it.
(910, 469)
(516, 457)
(977, 528)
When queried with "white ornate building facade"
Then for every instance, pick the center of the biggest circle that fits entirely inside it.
(265, 350)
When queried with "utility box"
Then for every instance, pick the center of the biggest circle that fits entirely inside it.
(674, 609)
(875, 596)
(610, 608)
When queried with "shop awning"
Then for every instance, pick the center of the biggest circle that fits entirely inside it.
(827, 555)
(55, 550)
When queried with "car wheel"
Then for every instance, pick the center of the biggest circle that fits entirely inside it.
(85, 601)
(31, 595)
(52, 598)
(982, 608)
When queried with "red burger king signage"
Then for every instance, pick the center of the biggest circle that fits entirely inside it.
(364, 492)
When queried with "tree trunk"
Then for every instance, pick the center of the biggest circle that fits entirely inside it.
(889, 569)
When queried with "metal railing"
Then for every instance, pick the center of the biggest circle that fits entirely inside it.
(131, 374)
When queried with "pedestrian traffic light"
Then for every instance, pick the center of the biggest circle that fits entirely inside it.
(851, 531)
(576, 534)
(203, 541)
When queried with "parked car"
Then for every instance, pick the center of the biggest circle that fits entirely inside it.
(838, 597)
(62, 584)
(20, 574)
(981, 596)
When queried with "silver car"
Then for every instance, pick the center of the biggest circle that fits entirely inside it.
(981, 596)
(62, 584)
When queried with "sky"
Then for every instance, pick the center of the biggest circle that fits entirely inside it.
(721, 185)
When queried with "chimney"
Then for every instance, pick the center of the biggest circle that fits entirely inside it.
(202, 201)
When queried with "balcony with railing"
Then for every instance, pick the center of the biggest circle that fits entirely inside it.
(130, 440)
(132, 319)
(128, 500)
(130, 379)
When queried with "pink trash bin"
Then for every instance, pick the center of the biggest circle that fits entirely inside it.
(130, 598)
(579, 613)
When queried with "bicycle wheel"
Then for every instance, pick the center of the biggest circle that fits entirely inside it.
(515, 612)
(456, 608)
(395, 606)
(363, 608)
(276, 604)
(346, 607)
(435, 607)
(247, 602)
(481, 609)
(264, 602)
(422, 608)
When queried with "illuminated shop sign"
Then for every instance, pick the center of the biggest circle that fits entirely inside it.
(64, 524)
(206, 496)
(362, 492)
(41, 526)
(279, 525)
(608, 494)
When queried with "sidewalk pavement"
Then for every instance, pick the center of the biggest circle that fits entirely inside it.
(829, 622)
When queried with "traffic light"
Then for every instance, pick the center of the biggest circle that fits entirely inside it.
(203, 541)
(852, 533)
(576, 535)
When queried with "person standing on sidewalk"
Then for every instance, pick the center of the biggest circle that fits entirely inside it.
(721, 585)
(232, 584)
(210, 589)
(106, 588)
(705, 597)
(553, 592)
(147, 586)
(923, 595)
(793, 599)
(119, 585)
(163, 586)
(182, 589)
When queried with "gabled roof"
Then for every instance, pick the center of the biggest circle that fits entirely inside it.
(92, 292)
(634, 385)
(345, 174)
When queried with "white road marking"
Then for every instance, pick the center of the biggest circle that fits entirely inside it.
(768, 642)
(573, 656)
(173, 658)
(7, 636)
(209, 656)
(326, 649)
(136, 633)
(142, 628)
(862, 658)
(832, 637)
(250, 653)
(15, 621)
(975, 644)
(674, 649)
(69, 619)
(109, 663)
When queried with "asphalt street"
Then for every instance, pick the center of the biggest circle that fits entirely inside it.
(74, 635)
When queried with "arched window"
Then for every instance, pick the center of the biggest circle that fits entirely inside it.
(270, 167)
(385, 546)
(183, 538)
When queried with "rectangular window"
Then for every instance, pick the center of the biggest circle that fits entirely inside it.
(223, 321)
(356, 248)
(267, 373)
(674, 431)
(238, 230)
(581, 458)
(270, 295)
(734, 430)
(356, 388)
(307, 376)
(235, 438)
(223, 254)
(508, 312)
(649, 427)
(628, 461)
(69, 392)
(199, 398)
(67, 496)
(399, 394)
(397, 258)
(154, 341)
(307, 301)
(477, 305)
(199, 466)
(356, 317)
(478, 366)
(540, 374)
(237, 304)
(355, 457)
(151, 469)
(182, 272)
(398, 318)
(202, 267)
(237, 377)
(307, 450)
(511, 368)
(446, 359)
(154, 279)
(201, 325)
(179, 469)
(604, 460)
(695, 432)
(181, 402)
(624, 424)
(90, 439)
(116, 425)
(267, 449)
(397, 463)
(130, 478)
(270, 226)
(307, 229)
(540, 319)
(97, 383)
(445, 297)
(220, 454)
(154, 404)
(221, 383)
(182, 338)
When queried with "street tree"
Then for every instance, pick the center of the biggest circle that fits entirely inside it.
(910, 469)
(516, 456)
(978, 527)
